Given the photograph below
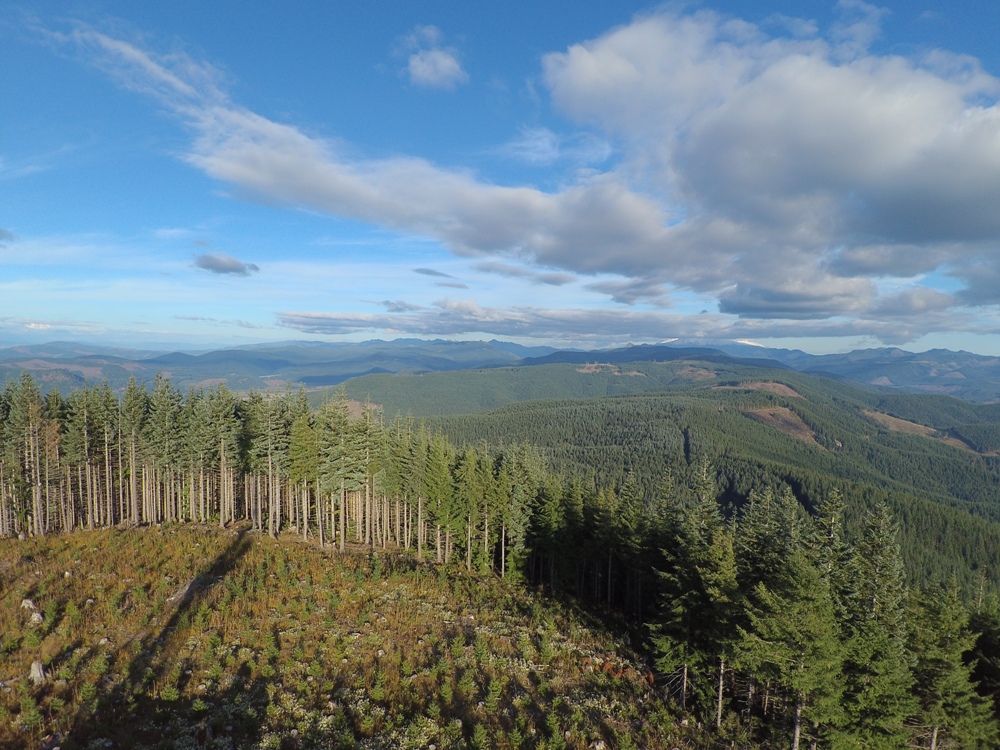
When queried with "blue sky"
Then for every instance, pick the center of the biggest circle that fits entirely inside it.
(806, 174)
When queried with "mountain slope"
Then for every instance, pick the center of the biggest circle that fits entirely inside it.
(772, 428)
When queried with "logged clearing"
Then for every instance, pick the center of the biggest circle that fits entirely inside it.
(784, 419)
(779, 389)
(913, 428)
(900, 425)
(191, 636)
(696, 373)
(592, 367)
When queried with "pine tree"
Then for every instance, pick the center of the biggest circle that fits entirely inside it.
(23, 430)
(336, 451)
(878, 697)
(134, 409)
(792, 641)
(701, 597)
(951, 712)
(225, 439)
(303, 457)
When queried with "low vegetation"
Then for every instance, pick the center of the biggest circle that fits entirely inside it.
(191, 636)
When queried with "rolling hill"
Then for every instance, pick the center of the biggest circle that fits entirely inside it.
(315, 365)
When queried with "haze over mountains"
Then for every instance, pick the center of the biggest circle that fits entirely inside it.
(66, 365)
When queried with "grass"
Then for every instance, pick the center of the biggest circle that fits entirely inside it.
(191, 636)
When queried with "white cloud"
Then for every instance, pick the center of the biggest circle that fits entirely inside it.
(777, 173)
(792, 160)
(435, 68)
(430, 64)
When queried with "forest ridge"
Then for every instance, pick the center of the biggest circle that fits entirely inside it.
(317, 365)
(768, 620)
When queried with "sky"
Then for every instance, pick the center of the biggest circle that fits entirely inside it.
(199, 174)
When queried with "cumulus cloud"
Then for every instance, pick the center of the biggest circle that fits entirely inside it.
(430, 64)
(782, 172)
(224, 264)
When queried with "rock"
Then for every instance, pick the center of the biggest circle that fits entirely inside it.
(37, 675)
(67, 574)
(36, 619)
(28, 605)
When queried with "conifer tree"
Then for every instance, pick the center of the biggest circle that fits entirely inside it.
(303, 459)
(792, 641)
(878, 697)
(438, 489)
(701, 597)
(225, 438)
(134, 409)
(951, 713)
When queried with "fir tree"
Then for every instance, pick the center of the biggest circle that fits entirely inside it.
(951, 712)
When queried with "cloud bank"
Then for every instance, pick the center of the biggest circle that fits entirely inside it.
(801, 181)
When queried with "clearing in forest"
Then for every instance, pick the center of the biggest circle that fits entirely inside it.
(779, 389)
(913, 428)
(784, 419)
(592, 367)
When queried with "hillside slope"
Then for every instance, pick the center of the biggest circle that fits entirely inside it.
(195, 636)
(770, 428)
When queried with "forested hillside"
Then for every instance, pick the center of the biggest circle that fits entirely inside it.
(807, 433)
(474, 391)
(743, 533)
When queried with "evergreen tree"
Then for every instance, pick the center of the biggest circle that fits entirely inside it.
(878, 698)
(701, 597)
(334, 458)
(134, 409)
(792, 641)
(951, 712)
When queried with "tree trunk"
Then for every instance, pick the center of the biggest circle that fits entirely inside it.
(718, 703)
(797, 730)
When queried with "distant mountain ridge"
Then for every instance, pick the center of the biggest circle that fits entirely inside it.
(277, 365)
(66, 366)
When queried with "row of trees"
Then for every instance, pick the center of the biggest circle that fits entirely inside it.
(95, 459)
(769, 620)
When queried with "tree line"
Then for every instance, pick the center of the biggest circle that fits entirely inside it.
(769, 620)
(95, 459)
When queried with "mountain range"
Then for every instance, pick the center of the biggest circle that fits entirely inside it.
(65, 366)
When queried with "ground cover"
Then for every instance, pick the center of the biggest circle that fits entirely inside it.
(192, 636)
